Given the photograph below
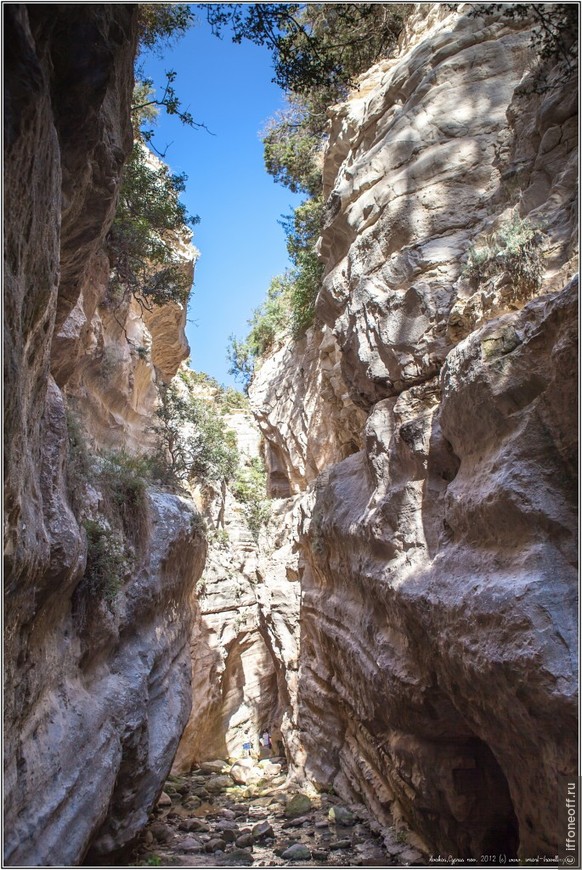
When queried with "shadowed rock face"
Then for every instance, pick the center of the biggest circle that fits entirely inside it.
(97, 692)
(438, 613)
(437, 653)
(245, 630)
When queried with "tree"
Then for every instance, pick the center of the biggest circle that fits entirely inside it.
(193, 443)
(142, 241)
(314, 45)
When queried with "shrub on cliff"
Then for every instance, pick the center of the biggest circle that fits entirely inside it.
(250, 488)
(149, 225)
(515, 248)
(193, 444)
(290, 303)
(107, 562)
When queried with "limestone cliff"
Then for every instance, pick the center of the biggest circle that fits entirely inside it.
(436, 680)
(97, 680)
(245, 633)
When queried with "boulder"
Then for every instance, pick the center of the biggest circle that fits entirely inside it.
(262, 831)
(297, 852)
(298, 805)
(341, 816)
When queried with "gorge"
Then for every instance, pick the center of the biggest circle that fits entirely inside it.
(401, 611)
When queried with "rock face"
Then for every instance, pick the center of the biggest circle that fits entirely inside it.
(304, 411)
(97, 682)
(245, 634)
(436, 679)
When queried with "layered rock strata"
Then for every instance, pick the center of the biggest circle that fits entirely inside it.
(436, 681)
(245, 633)
(97, 686)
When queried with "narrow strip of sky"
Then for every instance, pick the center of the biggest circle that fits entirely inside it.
(228, 88)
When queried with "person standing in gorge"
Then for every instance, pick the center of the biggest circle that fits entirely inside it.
(247, 745)
(265, 743)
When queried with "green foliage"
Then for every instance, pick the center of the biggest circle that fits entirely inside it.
(318, 50)
(290, 302)
(319, 56)
(160, 24)
(268, 320)
(123, 481)
(114, 538)
(80, 470)
(515, 248)
(220, 539)
(149, 213)
(554, 37)
(250, 488)
(302, 230)
(193, 443)
(313, 44)
(107, 562)
(232, 400)
(226, 399)
(292, 149)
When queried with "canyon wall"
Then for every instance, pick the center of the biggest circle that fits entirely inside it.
(437, 670)
(245, 632)
(97, 676)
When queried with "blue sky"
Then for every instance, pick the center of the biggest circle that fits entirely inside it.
(227, 87)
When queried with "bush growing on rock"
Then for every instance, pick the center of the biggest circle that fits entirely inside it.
(107, 561)
(144, 261)
(193, 443)
(250, 488)
(516, 248)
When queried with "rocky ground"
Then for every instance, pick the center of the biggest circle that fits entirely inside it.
(244, 814)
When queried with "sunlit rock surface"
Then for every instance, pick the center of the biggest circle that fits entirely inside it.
(436, 680)
(304, 411)
(245, 635)
(97, 690)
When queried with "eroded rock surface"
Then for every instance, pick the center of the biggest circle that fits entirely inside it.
(245, 635)
(438, 584)
(97, 681)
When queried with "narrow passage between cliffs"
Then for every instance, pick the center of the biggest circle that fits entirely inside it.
(243, 814)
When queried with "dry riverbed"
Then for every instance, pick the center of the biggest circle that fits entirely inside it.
(223, 815)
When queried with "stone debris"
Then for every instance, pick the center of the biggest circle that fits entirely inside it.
(297, 852)
(262, 826)
(341, 816)
(297, 805)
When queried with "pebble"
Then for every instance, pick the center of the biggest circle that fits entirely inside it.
(296, 823)
(341, 816)
(189, 844)
(341, 844)
(263, 826)
(297, 852)
(194, 825)
(160, 832)
(410, 856)
(215, 845)
(213, 766)
(236, 858)
(192, 802)
(298, 805)
(228, 825)
(164, 800)
(217, 783)
(262, 831)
